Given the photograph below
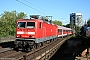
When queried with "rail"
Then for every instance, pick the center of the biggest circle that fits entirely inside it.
(42, 53)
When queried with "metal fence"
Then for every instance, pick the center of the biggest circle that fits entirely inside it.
(6, 39)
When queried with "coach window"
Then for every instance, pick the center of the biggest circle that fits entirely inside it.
(59, 30)
(66, 30)
(40, 25)
(63, 30)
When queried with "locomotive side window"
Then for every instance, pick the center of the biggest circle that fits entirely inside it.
(21, 24)
(30, 24)
(40, 25)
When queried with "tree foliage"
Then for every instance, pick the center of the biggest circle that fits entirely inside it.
(68, 25)
(8, 22)
(88, 22)
(57, 22)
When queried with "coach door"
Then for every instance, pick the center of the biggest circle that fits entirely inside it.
(44, 33)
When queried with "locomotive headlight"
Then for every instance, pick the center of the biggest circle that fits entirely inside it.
(17, 36)
(32, 36)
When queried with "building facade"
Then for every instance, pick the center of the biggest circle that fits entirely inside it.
(76, 21)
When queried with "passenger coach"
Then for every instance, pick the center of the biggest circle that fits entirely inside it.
(63, 31)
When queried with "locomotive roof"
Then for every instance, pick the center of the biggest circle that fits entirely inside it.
(39, 20)
(30, 20)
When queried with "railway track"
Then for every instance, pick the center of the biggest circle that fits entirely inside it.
(42, 53)
(11, 54)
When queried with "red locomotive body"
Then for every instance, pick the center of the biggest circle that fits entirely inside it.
(33, 31)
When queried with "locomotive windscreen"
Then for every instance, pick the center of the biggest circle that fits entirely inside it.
(30, 24)
(21, 24)
(26, 24)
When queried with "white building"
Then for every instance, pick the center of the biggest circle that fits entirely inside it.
(76, 19)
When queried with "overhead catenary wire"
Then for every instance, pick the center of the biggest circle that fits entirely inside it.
(30, 7)
(34, 5)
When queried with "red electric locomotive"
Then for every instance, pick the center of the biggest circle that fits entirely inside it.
(30, 32)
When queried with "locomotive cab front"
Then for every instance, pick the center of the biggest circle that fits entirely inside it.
(25, 30)
(25, 33)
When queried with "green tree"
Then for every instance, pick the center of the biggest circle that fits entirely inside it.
(57, 22)
(68, 25)
(8, 22)
(88, 22)
(21, 15)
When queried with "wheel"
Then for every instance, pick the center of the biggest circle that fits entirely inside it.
(34, 46)
(27, 50)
